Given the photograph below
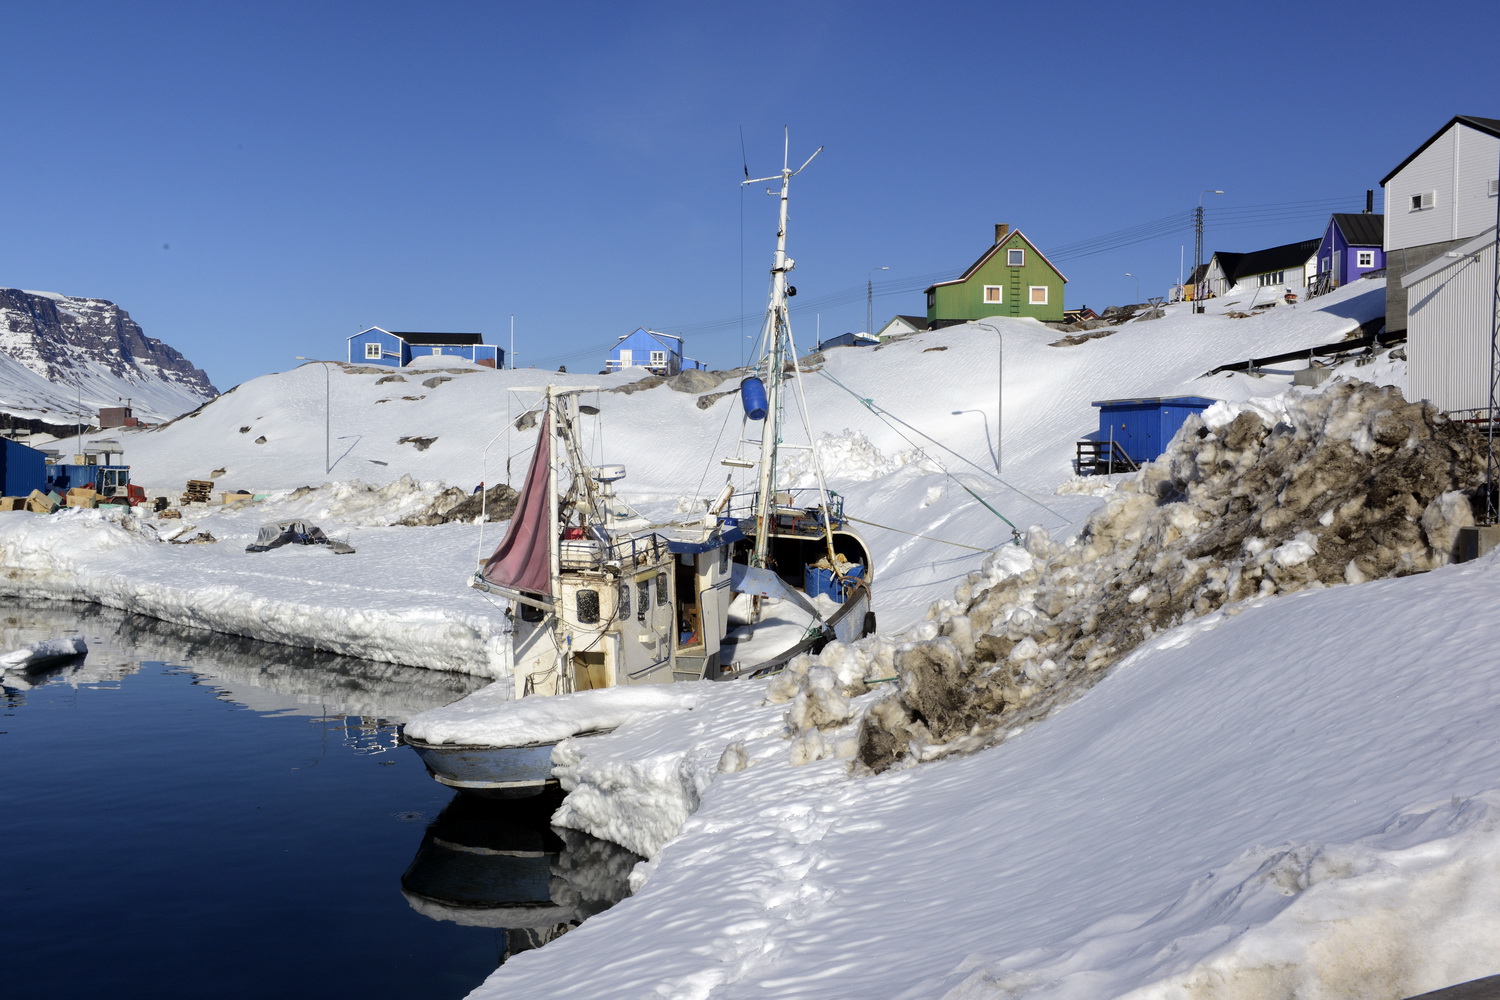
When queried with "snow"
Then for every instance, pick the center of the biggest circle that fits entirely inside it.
(490, 717)
(1291, 789)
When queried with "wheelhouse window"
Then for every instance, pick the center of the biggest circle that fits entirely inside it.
(993, 295)
(1365, 258)
(1015, 257)
(661, 589)
(372, 351)
(588, 607)
(642, 600)
(1038, 295)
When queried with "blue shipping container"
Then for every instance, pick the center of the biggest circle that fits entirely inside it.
(22, 469)
(1142, 428)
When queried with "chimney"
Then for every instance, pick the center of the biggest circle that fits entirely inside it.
(1001, 231)
(1369, 201)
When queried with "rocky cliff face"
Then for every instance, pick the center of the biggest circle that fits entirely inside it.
(95, 346)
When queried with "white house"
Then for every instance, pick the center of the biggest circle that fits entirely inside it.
(1274, 271)
(1438, 197)
(1452, 317)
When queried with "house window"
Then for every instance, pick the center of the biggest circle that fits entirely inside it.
(1015, 258)
(1423, 201)
(372, 351)
(931, 299)
(992, 294)
(1038, 295)
(437, 350)
(658, 358)
(1494, 187)
(1364, 258)
(1325, 267)
(1272, 278)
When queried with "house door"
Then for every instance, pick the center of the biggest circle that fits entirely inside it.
(624, 357)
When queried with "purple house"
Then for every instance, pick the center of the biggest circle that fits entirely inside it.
(1352, 247)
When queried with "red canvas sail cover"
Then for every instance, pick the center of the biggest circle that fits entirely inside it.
(520, 561)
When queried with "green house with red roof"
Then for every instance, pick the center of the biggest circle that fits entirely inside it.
(1012, 278)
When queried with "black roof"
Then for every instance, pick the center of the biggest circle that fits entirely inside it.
(1282, 258)
(438, 339)
(1361, 229)
(1489, 126)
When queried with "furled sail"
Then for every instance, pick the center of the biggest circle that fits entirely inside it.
(521, 560)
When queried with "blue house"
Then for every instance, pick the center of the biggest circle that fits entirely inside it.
(376, 346)
(660, 353)
(1353, 245)
(22, 468)
(1133, 432)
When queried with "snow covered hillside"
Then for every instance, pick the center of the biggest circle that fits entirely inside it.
(62, 358)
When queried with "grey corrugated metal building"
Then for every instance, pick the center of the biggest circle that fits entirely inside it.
(1451, 302)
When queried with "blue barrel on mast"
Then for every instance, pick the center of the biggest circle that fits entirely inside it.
(753, 398)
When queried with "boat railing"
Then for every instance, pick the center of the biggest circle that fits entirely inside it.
(793, 506)
(595, 550)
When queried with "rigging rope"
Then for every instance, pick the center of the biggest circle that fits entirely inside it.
(914, 534)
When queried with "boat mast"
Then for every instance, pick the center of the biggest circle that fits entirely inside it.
(775, 338)
(554, 532)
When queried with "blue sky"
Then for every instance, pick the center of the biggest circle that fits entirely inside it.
(255, 182)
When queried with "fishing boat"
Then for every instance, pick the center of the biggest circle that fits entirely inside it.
(601, 598)
(803, 554)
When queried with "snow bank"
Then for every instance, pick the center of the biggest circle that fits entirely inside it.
(389, 602)
(490, 717)
(46, 649)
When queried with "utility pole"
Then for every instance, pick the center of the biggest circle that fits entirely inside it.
(1198, 282)
(870, 298)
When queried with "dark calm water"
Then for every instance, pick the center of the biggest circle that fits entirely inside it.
(185, 814)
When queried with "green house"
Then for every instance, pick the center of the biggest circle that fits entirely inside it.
(1013, 278)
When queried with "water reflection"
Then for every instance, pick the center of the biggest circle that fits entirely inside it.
(264, 677)
(499, 864)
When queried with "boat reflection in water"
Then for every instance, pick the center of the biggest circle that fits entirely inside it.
(499, 864)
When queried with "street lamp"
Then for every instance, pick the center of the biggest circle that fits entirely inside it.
(988, 442)
(999, 392)
(870, 298)
(1137, 287)
(1198, 282)
(327, 412)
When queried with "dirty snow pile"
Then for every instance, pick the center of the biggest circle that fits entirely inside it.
(1342, 486)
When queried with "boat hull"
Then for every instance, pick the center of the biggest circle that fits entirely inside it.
(496, 772)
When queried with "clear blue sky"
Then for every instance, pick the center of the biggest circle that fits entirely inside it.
(257, 181)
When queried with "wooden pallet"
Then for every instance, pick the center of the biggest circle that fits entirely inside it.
(198, 491)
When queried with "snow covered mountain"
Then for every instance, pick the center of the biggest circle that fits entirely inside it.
(62, 356)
